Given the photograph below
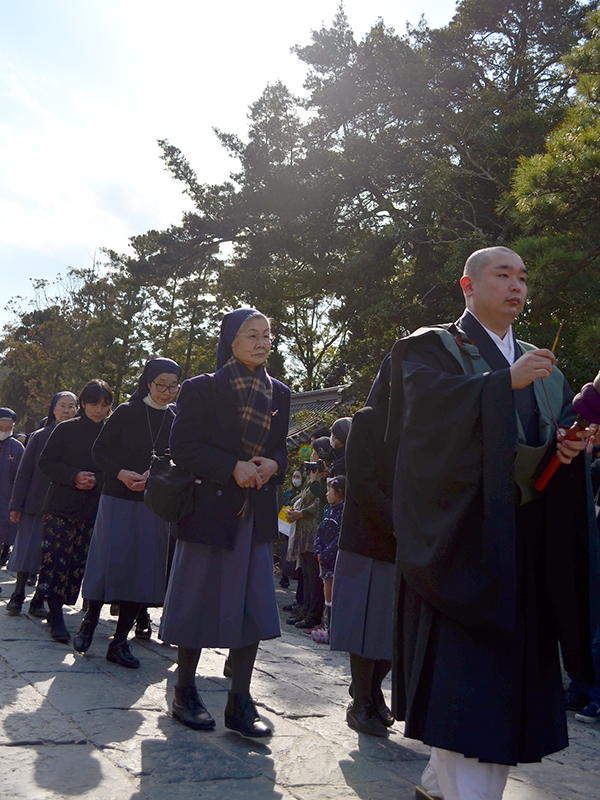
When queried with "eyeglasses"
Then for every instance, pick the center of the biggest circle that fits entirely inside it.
(254, 338)
(163, 387)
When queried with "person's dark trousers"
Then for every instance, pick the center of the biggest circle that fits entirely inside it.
(287, 568)
(314, 599)
(300, 587)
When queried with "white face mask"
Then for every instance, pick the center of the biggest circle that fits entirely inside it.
(5, 435)
(332, 441)
(296, 482)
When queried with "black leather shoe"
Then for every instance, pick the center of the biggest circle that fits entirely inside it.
(365, 720)
(122, 655)
(294, 619)
(189, 709)
(143, 626)
(37, 608)
(59, 632)
(15, 604)
(83, 638)
(241, 716)
(384, 713)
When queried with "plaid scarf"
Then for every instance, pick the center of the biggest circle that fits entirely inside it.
(254, 398)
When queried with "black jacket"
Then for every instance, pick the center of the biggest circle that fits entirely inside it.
(30, 486)
(67, 452)
(206, 439)
(125, 443)
(367, 527)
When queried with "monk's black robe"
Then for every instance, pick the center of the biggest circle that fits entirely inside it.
(486, 588)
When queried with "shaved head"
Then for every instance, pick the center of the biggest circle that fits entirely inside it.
(481, 258)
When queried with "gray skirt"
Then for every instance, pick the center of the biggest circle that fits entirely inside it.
(221, 598)
(26, 554)
(362, 606)
(128, 554)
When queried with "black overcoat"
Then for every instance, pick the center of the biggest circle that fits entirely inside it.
(206, 439)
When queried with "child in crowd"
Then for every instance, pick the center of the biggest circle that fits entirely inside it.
(326, 547)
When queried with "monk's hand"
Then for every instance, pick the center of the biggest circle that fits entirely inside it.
(567, 449)
(246, 475)
(531, 365)
(15, 516)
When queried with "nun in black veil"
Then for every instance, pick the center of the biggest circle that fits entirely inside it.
(26, 506)
(230, 431)
(127, 562)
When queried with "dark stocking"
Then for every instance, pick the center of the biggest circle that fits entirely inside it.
(187, 661)
(127, 614)
(20, 584)
(242, 663)
(380, 670)
(94, 607)
(56, 618)
(361, 670)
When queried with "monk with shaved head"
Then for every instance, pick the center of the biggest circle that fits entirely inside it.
(491, 573)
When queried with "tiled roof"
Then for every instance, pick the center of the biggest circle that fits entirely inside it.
(315, 404)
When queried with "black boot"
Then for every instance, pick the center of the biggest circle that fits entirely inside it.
(189, 709)
(83, 638)
(121, 654)
(15, 604)
(37, 607)
(56, 621)
(143, 624)
(241, 716)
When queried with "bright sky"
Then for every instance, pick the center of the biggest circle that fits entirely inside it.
(86, 89)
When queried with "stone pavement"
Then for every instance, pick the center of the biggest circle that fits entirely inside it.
(81, 727)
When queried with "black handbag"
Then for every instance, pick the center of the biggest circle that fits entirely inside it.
(169, 490)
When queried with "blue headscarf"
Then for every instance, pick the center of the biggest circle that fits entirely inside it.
(8, 413)
(230, 325)
(152, 370)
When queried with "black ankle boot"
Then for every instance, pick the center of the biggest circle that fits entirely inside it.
(83, 638)
(58, 629)
(120, 653)
(241, 716)
(189, 709)
(15, 604)
(37, 608)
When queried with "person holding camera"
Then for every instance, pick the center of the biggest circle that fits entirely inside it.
(305, 513)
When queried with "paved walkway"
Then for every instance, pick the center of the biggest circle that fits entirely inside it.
(81, 727)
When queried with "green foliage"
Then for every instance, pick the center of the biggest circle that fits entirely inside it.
(353, 209)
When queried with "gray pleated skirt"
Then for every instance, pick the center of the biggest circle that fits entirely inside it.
(26, 554)
(128, 554)
(362, 604)
(221, 598)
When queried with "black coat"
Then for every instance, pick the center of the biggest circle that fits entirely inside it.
(367, 526)
(31, 485)
(67, 452)
(206, 439)
(485, 589)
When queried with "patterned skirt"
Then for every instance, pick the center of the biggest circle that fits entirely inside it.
(65, 547)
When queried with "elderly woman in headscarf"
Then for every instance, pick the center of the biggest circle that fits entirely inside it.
(26, 504)
(127, 562)
(10, 455)
(230, 431)
(71, 503)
